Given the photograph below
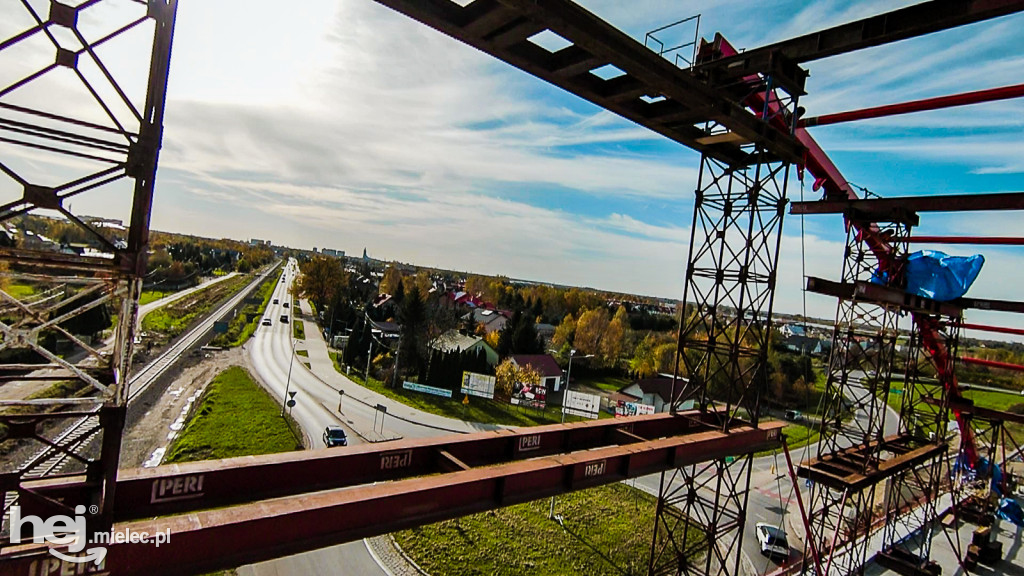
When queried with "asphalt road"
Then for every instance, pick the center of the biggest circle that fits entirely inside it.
(317, 399)
(270, 351)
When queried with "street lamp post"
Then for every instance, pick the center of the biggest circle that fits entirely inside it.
(568, 375)
(288, 382)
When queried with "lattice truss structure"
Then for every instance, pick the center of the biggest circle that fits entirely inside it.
(82, 88)
(722, 347)
(914, 498)
(854, 402)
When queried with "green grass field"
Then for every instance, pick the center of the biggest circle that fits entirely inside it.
(299, 329)
(20, 291)
(148, 296)
(235, 417)
(607, 383)
(602, 535)
(478, 409)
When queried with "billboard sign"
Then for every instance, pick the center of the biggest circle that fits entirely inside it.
(478, 384)
(427, 389)
(625, 409)
(531, 395)
(580, 404)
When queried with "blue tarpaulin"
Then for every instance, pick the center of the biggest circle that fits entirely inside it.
(1010, 511)
(939, 276)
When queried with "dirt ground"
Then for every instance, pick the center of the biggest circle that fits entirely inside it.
(163, 414)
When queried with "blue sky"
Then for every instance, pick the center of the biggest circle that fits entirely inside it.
(340, 123)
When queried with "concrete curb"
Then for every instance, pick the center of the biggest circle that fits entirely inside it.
(405, 557)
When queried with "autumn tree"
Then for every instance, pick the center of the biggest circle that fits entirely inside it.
(323, 281)
(392, 278)
(564, 332)
(590, 329)
(613, 343)
(508, 373)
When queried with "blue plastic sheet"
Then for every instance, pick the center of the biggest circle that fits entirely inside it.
(1010, 511)
(941, 277)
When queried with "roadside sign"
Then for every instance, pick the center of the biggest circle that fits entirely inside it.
(382, 408)
(291, 403)
(292, 393)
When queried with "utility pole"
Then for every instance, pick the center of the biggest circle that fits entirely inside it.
(288, 382)
(398, 352)
(369, 356)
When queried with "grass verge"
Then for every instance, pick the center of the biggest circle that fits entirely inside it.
(601, 536)
(235, 417)
(478, 409)
(148, 296)
(797, 436)
(242, 326)
(172, 319)
(299, 329)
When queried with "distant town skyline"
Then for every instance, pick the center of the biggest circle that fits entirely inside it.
(341, 123)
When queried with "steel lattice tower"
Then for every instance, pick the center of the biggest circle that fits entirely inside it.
(74, 122)
(730, 280)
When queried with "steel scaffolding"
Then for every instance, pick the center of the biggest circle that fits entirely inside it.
(94, 131)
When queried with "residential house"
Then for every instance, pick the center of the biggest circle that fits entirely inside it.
(790, 330)
(656, 391)
(804, 345)
(491, 320)
(453, 340)
(550, 371)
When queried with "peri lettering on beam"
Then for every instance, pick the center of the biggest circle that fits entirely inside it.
(396, 460)
(595, 469)
(528, 443)
(177, 488)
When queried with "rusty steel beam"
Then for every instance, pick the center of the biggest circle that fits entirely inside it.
(844, 470)
(883, 295)
(502, 29)
(968, 408)
(231, 536)
(909, 22)
(948, 203)
(993, 305)
(175, 488)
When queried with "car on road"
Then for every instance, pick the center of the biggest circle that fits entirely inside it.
(275, 300)
(285, 304)
(335, 436)
(772, 539)
(284, 318)
(267, 322)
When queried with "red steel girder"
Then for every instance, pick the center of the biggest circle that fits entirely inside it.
(945, 203)
(145, 492)
(975, 240)
(231, 536)
(991, 363)
(964, 99)
(998, 329)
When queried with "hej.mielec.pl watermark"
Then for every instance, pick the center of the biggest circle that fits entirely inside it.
(70, 531)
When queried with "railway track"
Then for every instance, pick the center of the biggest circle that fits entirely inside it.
(51, 460)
